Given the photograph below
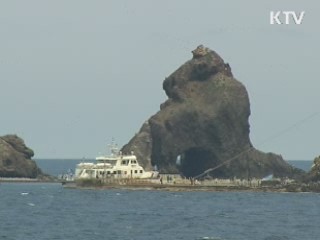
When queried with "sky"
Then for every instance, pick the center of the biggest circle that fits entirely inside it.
(75, 74)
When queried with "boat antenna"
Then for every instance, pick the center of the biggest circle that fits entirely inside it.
(113, 147)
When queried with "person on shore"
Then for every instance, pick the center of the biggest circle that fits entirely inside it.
(192, 181)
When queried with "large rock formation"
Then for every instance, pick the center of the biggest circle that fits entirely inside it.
(314, 173)
(15, 158)
(205, 123)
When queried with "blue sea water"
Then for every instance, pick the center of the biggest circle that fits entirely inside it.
(302, 164)
(44, 211)
(30, 211)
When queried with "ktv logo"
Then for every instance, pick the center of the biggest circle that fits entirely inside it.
(286, 17)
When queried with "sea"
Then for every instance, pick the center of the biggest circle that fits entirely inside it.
(50, 211)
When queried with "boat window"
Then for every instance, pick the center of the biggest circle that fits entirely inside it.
(114, 172)
(107, 161)
(135, 171)
(123, 162)
(141, 171)
(108, 172)
(119, 172)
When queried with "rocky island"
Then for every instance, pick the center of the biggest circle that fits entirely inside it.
(204, 124)
(314, 173)
(15, 159)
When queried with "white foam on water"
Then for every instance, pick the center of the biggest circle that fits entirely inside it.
(210, 238)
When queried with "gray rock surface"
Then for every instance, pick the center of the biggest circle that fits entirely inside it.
(205, 122)
(314, 173)
(15, 158)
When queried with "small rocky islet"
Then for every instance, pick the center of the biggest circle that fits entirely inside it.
(204, 122)
(15, 159)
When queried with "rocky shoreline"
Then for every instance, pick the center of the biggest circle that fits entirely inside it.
(183, 188)
(48, 179)
(98, 185)
(152, 186)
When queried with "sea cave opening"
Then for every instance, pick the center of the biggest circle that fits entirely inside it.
(195, 161)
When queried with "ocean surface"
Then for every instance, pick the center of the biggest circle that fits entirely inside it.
(31, 211)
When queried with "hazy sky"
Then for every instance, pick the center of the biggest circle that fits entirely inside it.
(74, 74)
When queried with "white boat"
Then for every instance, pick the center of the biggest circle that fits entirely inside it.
(114, 166)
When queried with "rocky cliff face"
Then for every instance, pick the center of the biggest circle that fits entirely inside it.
(15, 158)
(204, 123)
(314, 173)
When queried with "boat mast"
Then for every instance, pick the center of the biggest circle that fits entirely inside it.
(114, 151)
